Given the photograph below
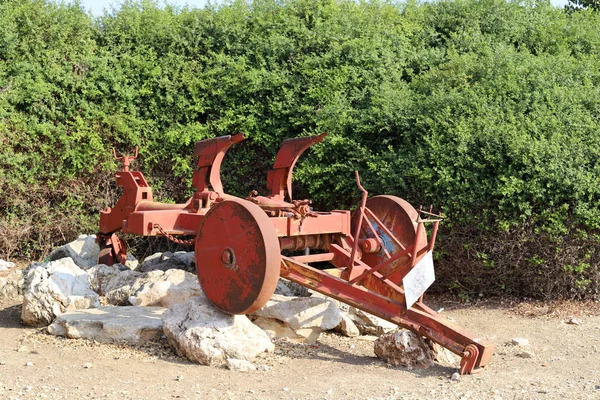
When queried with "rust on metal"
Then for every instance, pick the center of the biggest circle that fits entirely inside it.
(381, 253)
(279, 179)
(237, 256)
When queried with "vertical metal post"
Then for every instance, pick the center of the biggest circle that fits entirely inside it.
(360, 219)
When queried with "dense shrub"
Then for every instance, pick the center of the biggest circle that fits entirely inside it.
(487, 108)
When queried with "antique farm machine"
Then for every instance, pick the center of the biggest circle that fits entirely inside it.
(381, 252)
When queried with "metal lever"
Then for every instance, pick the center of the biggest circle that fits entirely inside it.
(125, 159)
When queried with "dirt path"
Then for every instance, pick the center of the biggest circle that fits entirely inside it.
(563, 363)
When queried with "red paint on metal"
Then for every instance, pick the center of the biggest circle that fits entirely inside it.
(113, 250)
(238, 244)
(279, 179)
(237, 256)
(210, 154)
(393, 223)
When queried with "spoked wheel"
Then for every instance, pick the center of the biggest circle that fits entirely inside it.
(237, 256)
(393, 220)
(113, 250)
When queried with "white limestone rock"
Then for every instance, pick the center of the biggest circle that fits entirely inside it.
(442, 355)
(343, 307)
(369, 324)
(240, 365)
(121, 286)
(165, 261)
(54, 288)
(307, 317)
(104, 278)
(521, 342)
(111, 324)
(6, 265)
(11, 282)
(347, 326)
(116, 283)
(203, 334)
(171, 287)
(277, 329)
(83, 250)
(404, 348)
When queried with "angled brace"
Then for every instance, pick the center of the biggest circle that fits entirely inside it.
(279, 179)
(210, 154)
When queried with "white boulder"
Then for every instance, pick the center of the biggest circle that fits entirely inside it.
(6, 265)
(203, 334)
(121, 286)
(11, 280)
(442, 355)
(110, 324)
(347, 326)
(116, 282)
(307, 317)
(54, 288)
(170, 287)
(404, 348)
(11, 284)
(369, 324)
(83, 250)
(240, 365)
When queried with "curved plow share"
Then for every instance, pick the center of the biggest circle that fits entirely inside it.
(381, 253)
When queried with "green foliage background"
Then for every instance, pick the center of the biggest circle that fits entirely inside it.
(489, 109)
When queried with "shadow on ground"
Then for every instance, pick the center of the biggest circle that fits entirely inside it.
(10, 316)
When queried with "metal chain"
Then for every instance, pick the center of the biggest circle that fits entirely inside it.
(172, 238)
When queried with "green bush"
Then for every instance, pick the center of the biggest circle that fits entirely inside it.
(489, 109)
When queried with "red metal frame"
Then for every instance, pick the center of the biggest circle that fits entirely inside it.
(376, 289)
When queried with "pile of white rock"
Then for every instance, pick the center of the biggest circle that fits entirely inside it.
(76, 298)
(11, 280)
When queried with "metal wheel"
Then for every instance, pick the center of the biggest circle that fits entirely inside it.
(237, 256)
(399, 217)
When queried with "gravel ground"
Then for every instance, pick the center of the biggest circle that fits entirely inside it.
(560, 361)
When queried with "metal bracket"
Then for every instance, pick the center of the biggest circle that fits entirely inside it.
(279, 179)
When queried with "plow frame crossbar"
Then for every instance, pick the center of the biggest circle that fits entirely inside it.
(420, 319)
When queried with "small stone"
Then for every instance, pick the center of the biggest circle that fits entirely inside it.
(455, 376)
(179, 378)
(525, 354)
(240, 365)
(573, 321)
(263, 367)
(520, 342)
(29, 364)
(6, 265)
(286, 389)
(330, 391)
(2, 363)
(87, 365)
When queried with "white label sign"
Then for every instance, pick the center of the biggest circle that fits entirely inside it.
(418, 279)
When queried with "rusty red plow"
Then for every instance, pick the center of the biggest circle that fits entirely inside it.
(381, 252)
